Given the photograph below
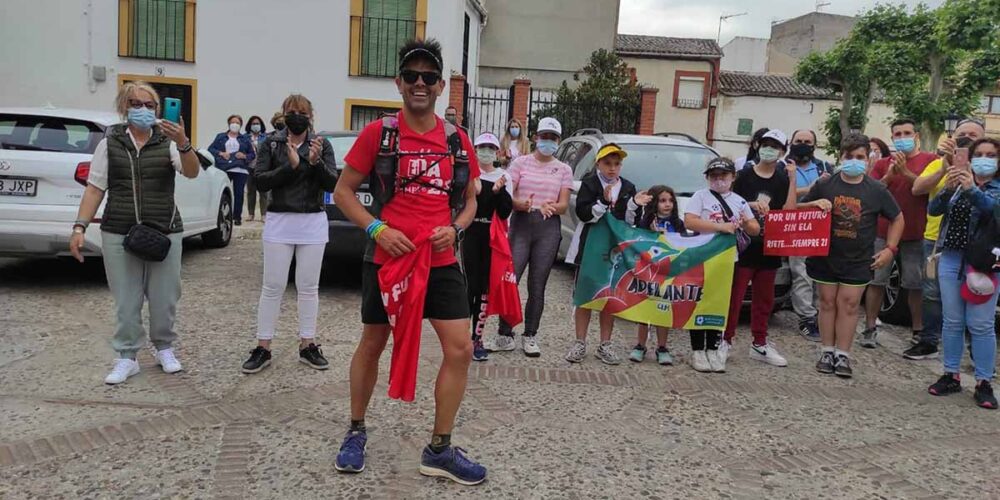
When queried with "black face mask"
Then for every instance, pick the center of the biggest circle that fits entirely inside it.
(279, 126)
(802, 151)
(296, 123)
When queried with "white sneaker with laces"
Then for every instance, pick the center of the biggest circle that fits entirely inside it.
(723, 351)
(699, 361)
(167, 361)
(577, 351)
(124, 368)
(767, 354)
(501, 343)
(530, 346)
(716, 361)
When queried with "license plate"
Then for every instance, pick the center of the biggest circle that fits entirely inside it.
(366, 199)
(19, 186)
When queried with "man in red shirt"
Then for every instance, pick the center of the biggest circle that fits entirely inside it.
(420, 206)
(898, 172)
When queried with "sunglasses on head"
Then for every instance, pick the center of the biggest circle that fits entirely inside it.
(429, 77)
(135, 103)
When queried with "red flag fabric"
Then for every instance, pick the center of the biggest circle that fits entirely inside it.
(503, 298)
(403, 282)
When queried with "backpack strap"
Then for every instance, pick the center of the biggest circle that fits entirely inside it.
(725, 206)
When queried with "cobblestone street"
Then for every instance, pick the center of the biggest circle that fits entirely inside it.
(543, 427)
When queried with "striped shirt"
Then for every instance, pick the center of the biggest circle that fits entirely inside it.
(543, 180)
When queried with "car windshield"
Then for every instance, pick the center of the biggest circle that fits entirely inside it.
(680, 167)
(341, 146)
(48, 133)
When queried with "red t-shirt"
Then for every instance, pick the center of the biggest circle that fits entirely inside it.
(417, 207)
(914, 207)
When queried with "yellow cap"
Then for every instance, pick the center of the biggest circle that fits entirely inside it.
(611, 149)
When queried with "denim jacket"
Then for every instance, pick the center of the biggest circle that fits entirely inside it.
(983, 200)
(219, 146)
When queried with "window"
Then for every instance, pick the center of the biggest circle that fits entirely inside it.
(691, 89)
(156, 29)
(378, 29)
(465, 48)
(48, 133)
(994, 105)
(744, 127)
(363, 115)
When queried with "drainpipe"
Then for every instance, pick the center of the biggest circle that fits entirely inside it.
(89, 63)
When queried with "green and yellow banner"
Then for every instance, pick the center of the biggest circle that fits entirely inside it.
(658, 279)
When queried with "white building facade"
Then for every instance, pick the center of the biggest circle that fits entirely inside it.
(745, 54)
(224, 57)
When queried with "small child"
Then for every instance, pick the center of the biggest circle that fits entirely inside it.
(716, 209)
(605, 192)
(660, 216)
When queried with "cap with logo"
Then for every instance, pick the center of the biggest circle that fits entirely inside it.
(550, 125)
(978, 287)
(776, 135)
(611, 149)
(720, 163)
(487, 139)
(420, 52)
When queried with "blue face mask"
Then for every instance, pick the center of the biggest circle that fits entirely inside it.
(546, 147)
(515, 132)
(143, 117)
(905, 145)
(853, 168)
(984, 166)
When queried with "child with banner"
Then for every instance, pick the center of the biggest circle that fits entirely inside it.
(663, 217)
(602, 192)
(857, 201)
(494, 202)
(717, 209)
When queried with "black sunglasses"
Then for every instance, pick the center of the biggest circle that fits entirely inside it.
(429, 77)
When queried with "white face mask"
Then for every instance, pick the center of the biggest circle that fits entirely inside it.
(486, 156)
(234, 128)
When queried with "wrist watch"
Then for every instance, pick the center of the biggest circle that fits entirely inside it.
(459, 233)
(79, 229)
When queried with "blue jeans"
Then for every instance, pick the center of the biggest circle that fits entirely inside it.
(239, 186)
(959, 315)
(931, 303)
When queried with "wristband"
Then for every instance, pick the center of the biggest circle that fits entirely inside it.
(893, 248)
(373, 226)
(186, 148)
(378, 232)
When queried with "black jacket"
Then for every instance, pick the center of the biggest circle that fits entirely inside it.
(592, 193)
(298, 190)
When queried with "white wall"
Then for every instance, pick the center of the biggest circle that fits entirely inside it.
(248, 59)
(785, 114)
(745, 54)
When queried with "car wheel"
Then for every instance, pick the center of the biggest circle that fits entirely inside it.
(895, 307)
(223, 233)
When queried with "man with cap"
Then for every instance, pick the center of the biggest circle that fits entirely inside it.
(766, 186)
(494, 197)
(541, 193)
(603, 192)
(417, 215)
(717, 209)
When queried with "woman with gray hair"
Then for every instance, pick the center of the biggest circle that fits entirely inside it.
(135, 166)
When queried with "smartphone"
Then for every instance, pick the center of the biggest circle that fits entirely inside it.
(172, 109)
(961, 157)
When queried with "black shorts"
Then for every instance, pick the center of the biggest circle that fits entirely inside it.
(447, 296)
(823, 270)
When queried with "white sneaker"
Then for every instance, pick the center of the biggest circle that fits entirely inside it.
(699, 361)
(124, 368)
(167, 361)
(768, 354)
(530, 346)
(716, 361)
(577, 351)
(500, 343)
(723, 351)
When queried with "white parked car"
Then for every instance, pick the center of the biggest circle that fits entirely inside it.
(45, 158)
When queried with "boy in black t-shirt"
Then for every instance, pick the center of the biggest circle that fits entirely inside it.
(766, 186)
(856, 201)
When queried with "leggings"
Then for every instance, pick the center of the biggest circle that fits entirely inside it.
(277, 260)
(702, 340)
(534, 242)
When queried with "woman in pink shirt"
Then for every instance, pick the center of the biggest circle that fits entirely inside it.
(541, 193)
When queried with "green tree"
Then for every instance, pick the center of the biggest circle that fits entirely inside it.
(606, 98)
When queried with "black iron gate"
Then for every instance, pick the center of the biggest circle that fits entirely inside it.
(611, 115)
(487, 110)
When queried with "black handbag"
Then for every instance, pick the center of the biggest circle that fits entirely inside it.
(146, 240)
